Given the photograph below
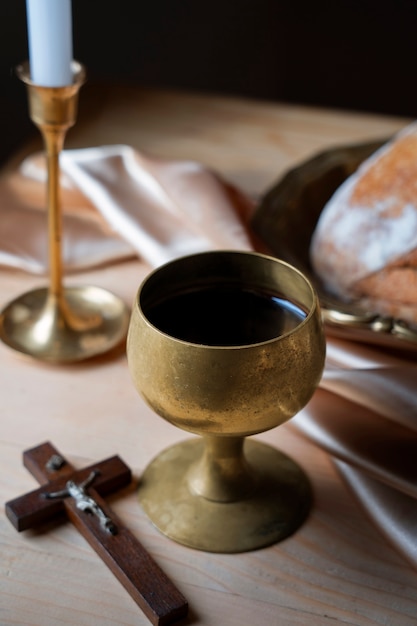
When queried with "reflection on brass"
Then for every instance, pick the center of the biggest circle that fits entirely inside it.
(361, 320)
(56, 324)
(222, 492)
(285, 221)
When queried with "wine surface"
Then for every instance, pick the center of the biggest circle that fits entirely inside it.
(225, 316)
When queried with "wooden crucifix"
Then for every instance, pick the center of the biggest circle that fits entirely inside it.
(78, 493)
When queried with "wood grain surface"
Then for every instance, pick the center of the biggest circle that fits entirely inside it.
(336, 569)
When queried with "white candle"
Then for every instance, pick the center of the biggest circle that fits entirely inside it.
(50, 42)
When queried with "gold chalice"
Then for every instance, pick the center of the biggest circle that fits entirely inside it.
(225, 345)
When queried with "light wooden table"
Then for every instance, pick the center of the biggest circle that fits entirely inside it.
(336, 569)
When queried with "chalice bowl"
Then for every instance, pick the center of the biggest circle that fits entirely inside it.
(225, 345)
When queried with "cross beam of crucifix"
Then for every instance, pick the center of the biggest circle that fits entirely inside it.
(79, 493)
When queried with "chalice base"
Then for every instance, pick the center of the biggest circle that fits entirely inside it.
(86, 322)
(273, 511)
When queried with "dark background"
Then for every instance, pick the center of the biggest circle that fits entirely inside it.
(350, 54)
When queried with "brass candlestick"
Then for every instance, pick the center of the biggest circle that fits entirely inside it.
(225, 345)
(57, 324)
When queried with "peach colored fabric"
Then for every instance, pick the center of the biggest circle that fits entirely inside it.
(116, 203)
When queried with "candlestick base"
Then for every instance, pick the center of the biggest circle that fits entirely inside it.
(83, 323)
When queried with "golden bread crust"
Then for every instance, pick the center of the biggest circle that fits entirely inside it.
(365, 243)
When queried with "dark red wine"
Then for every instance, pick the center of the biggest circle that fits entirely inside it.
(224, 316)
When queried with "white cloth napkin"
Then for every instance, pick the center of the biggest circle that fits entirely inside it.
(118, 203)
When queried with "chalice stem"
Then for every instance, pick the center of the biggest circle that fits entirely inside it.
(223, 473)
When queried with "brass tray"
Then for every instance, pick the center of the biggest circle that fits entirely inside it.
(285, 221)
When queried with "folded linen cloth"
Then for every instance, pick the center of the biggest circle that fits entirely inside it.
(392, 511)
(87, 240)
(365, 416)
(118, 203)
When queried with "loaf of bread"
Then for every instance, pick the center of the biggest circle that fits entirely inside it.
(364, 247)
